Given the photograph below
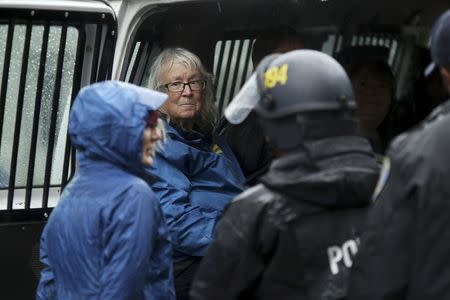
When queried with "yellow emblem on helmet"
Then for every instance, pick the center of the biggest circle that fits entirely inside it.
(276, 75)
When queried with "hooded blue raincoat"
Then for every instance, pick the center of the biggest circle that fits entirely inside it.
(107, 238)
(194, 180)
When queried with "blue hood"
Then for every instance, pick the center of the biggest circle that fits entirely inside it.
(107, 122)
(107, 237)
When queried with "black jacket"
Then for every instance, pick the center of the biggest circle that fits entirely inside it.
(405, 252)
(249, 145)
(294, 235)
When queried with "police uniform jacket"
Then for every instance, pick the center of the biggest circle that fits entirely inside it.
(404, 253)
(294, 235)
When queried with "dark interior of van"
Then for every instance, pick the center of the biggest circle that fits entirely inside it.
(222, 33)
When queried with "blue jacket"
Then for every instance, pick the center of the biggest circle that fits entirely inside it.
(107, 238)
(194, 180)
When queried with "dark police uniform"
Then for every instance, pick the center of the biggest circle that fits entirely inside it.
(295, 235)
(405, 251)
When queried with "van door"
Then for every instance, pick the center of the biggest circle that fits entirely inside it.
(48, 51)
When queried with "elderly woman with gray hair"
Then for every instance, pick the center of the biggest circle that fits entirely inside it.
(197, 174)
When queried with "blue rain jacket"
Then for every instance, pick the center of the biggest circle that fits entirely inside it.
(107, 238)
(194, 181)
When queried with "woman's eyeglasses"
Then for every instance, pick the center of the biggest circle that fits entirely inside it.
(178, 86)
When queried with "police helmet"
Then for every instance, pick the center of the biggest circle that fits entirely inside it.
(299, 95)
(302, 81)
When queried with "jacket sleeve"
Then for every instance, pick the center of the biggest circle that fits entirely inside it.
(382, 265)
(46, 289)
(190, 227)
(161, 265)
(129, 236)
(237, 256)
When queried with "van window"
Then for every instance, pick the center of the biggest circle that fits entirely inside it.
(34, 106)
(232, 67)
(233, 64)
(45, 57)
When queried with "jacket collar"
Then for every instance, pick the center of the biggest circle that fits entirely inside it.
(332, 172)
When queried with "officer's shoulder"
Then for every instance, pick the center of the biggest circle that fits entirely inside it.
(426, 139)
(249, 208)
(256, 196)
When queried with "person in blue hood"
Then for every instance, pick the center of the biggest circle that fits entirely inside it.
(107, 238)
(197, 174)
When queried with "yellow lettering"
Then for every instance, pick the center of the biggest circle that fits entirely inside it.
(276, 75)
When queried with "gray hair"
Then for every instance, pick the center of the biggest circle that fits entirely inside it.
(206, 122)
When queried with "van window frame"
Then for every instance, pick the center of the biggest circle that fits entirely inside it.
(93, 62)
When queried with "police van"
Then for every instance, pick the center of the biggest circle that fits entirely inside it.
(49, 49)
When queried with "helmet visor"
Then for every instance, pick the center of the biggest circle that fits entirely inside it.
(244, 102)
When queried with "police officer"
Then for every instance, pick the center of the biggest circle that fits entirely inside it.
(254, 156)
(405, 252)
(294, 235)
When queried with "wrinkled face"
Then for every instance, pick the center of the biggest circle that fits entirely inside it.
(373, 97)
(152, 134)
(185, 104)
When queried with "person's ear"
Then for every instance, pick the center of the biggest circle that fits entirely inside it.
(445, 75)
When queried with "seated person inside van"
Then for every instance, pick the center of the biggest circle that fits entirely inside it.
(374, 86)
(255, 154)
(196, 175)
